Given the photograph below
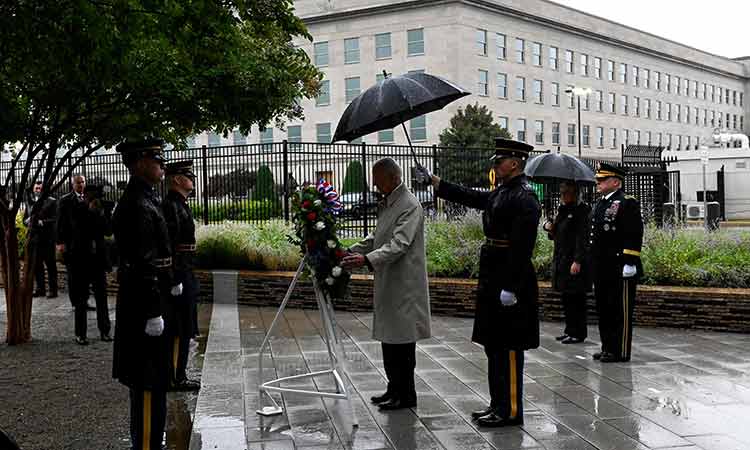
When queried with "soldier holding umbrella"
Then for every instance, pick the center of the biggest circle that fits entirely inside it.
(506, 321)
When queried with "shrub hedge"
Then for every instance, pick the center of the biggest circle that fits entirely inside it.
(241, 210)
(683, 257)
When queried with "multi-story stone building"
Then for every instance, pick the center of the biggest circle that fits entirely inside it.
(521, 58)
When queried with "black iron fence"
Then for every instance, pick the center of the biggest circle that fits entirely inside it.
(253, 183)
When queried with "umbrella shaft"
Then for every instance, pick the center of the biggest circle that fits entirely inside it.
(408, 139)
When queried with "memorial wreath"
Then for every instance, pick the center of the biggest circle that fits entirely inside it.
(315, 209)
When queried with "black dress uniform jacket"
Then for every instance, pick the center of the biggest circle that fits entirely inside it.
(571, 236)
(510, 217)
(181, 227)
(616, 236)
(140, 361)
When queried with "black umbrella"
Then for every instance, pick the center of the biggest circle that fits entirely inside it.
(393, 101)
(557, 167)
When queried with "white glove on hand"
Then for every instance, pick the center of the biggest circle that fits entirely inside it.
(628, 270)
(508, 298)
(176, 290)
(155, 326)
(423, 175)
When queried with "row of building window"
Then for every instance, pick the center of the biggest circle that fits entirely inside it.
(383, 48)
(670, 112)
(323, 134)
(594, 67)
(352, 88)
(669, 141)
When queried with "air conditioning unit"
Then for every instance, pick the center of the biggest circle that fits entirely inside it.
(696, 211)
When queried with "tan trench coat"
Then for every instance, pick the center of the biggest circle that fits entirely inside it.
(396, 251)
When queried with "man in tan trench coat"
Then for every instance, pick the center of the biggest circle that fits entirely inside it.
(395, 253)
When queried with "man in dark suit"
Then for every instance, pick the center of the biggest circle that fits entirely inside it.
(82, 225)
(41, 217)
(183, 286)
(141, 353)
(616, 240)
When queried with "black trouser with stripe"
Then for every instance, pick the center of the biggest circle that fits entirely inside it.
(399, 361)
(615, 302)
(505, 376)
(148, 416)
(179, 328)
(575, 314)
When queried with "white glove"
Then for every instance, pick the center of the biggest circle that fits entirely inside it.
(508, 298)
(41, 223)
(176, 290)
(628, 270)
(423, 175)
(27, 221)
(155, 326)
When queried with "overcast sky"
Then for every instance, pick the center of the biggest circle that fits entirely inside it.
(719, 27)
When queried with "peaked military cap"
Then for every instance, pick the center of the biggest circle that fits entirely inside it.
(180, 168)
(505, 148)
(133, 150)
(610, 170)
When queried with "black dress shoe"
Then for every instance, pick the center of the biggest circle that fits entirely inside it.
(38, 294)
(611, 358)
(376, 399)
(597, 356)
(492, 420)
(477, 414)
(82, 340)
(561, 337)
(396, 403)
(571, 340)
(185, 385)
(106, 337)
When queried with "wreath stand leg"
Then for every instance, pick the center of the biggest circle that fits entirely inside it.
(336, 356)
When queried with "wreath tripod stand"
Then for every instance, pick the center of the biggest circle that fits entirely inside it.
(334, 347)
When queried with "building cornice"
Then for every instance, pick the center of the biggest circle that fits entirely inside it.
(523, 15)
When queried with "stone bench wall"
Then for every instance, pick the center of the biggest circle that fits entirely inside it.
(656, 306)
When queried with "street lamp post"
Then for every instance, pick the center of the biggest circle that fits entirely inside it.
(579, 92)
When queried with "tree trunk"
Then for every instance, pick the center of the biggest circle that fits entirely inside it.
(18, 294)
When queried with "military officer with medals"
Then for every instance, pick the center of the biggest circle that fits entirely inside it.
(141, 351)
(183, 289)
(615, 241)
(506, 321)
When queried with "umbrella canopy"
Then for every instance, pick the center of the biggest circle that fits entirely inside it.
(393, 101)
(557, 167)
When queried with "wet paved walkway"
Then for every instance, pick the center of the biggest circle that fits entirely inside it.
(683, 390)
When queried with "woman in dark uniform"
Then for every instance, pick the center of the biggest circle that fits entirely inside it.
(570, 267)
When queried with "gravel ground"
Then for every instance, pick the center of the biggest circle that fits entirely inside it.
(55, 394)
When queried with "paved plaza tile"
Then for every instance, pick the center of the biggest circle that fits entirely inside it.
(682, 390)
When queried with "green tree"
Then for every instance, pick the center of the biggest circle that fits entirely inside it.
(467, 146)
(265, 189)
(80, 75)
(236, 183)
(354, 181)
